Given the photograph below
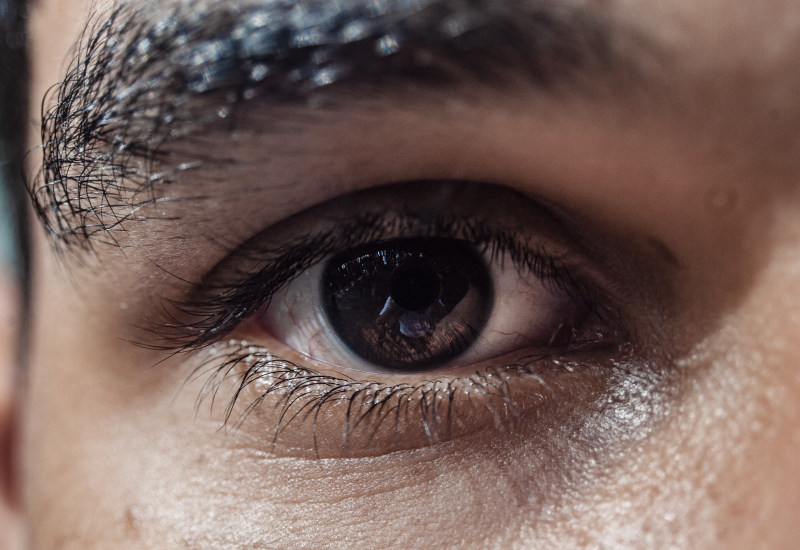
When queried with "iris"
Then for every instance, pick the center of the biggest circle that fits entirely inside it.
(410, 303)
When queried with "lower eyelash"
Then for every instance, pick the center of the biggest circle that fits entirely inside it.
(301, 395)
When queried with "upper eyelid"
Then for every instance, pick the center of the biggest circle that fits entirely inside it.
(238, 285)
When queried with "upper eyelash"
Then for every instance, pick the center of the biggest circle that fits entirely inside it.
(218, 304)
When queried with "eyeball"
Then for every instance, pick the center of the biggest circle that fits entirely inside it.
(418, 304)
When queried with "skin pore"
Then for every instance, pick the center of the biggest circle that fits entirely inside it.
(667, 174)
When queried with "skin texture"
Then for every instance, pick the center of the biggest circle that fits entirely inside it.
(690, 194)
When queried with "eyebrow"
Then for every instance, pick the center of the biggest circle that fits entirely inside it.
(146, 76)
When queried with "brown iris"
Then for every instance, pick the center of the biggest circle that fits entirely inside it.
(408, 304)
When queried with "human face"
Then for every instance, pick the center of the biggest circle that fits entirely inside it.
(633, 382)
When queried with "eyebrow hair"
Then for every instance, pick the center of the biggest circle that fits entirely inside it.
(144, 76)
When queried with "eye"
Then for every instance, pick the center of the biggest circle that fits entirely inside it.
(401, 317)
(420, 304)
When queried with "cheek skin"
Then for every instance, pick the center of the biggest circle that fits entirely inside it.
(758, 420)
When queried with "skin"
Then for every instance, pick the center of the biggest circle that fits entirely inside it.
(116, 453)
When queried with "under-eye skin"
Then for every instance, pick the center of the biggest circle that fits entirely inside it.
(402, 317)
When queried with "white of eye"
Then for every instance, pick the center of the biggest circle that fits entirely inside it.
(526, 314)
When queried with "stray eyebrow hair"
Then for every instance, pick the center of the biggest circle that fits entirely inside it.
(149, 74)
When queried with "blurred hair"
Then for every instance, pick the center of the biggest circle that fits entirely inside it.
(13, 131)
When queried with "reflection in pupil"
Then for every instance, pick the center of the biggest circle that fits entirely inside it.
(415, 286)
(408, 303)
(414, 325)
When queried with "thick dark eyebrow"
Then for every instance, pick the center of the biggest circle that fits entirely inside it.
(145, 76)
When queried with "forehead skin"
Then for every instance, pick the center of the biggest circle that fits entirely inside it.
(114, 459)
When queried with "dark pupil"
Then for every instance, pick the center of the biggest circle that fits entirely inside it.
(408, 304)
(415, 286)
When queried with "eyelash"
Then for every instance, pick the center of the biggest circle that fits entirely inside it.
(303, 393)
(224, 300)
(230, 295)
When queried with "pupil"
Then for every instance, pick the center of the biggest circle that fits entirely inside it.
(414, 286)
(408, 304)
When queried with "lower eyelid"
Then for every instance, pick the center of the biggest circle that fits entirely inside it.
(295, 410)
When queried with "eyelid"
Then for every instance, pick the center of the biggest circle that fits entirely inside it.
(241, 283)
